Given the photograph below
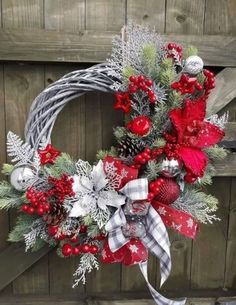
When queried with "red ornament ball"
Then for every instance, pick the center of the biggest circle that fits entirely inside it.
(141, 125)
(52, 230)
(85, 248)
(168, 190)
(93, 249)
(67, 249)
(76, 251)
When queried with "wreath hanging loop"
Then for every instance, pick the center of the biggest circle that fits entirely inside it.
(117, 210)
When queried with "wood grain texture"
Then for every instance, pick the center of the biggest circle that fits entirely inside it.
(66, 16)
(95, 46)
(181, 251)
(230, 271)
(20, 91)
(220, 17)
(19, 262)
(106, 15)
(185, 17)
(147, 12)
(22, 14)
(224, 92)
(208, 255)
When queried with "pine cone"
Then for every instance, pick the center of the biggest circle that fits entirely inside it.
(128, 147)
(56, 215)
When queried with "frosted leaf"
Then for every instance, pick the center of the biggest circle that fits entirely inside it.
(38, 230)
(21, 153)
(219, 121)
(83, 168)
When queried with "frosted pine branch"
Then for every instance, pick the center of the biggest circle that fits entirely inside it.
(200, 205)
(88, 262)
(38, 230)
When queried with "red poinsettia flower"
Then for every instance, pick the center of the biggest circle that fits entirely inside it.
(48, 155)
(123, 101)
(193, 134)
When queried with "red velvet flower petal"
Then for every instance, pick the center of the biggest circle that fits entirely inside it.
(194, 160)
(209, 135)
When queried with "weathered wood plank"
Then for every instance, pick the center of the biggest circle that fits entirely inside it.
(14, 262)
(226, 167)
(208, 256)
(20, 91)
(224, 92)
(90, 46)
(106, 15)
(66, 16)
(185, 17)
(22, 14)
(230, 270)
(68, 301)
(220, 17)
(147, 12)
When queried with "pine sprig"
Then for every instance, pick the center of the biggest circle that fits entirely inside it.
(9, 198)
(63, 164)
(23, 226)
(153, 170)
(7, 169)
(216, 152)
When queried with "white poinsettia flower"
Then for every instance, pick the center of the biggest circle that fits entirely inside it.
(94, 192)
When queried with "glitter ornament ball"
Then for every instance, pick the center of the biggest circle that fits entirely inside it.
(193, 65)
(134, 229)
(169, 191)
(170, 168)
(20, 177)
(138, 207)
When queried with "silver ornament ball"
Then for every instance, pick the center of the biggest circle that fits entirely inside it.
(134, 229)
(138, 207)
(20, 177)
(170, 168)
(193, 65)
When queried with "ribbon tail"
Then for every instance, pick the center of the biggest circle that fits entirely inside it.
(158, 298)
(157, 241)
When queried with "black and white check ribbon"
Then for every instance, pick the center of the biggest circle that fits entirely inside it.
(156, 240)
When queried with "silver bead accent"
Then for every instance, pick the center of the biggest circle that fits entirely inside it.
(20, 177)
(170, 168)
(134, 229)
(193, 65)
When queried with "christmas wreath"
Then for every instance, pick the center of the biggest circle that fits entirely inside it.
(117, 210)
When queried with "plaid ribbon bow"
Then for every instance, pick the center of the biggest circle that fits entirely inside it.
(155, 240)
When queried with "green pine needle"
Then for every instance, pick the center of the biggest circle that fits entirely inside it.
(102, 154)
(191, 50)
(127, 72)
(7, 169)
(216, 152)
(23, 226)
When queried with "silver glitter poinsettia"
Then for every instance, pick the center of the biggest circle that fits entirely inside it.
(94, 191)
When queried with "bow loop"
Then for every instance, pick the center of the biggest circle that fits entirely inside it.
(136, 189)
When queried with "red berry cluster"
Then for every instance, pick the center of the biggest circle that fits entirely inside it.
(60, 188)
(176, 48)
(68, 249)
(143, 84)
(209, 83)
(38, 203)
(143, 157)
(155, 187)
(187, 84)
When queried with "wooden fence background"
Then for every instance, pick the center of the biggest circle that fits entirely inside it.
(46, 31)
